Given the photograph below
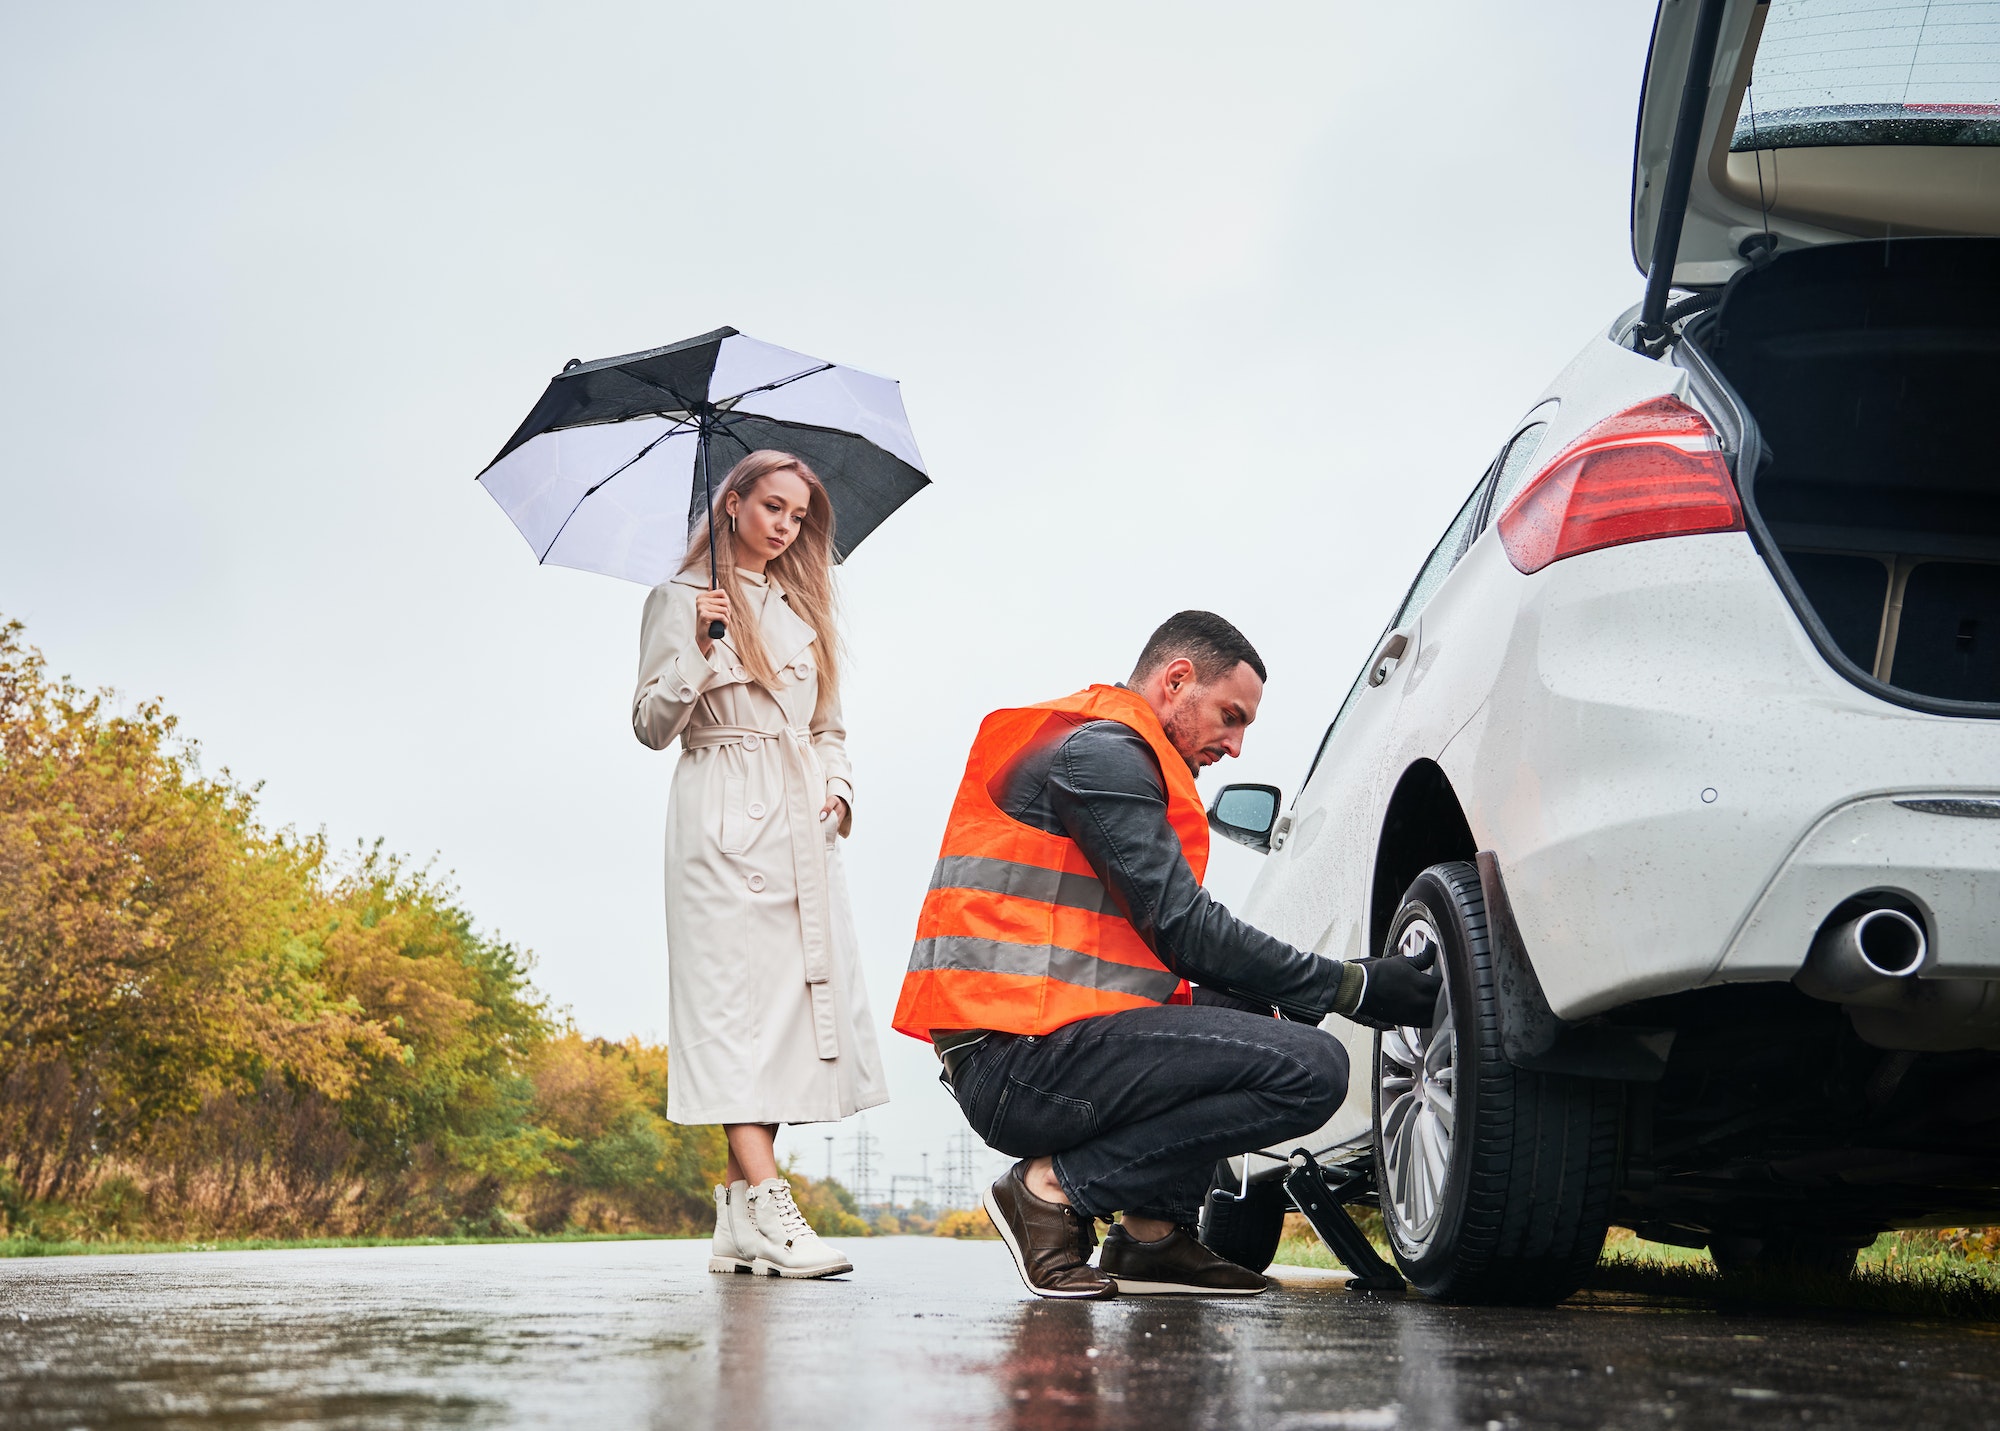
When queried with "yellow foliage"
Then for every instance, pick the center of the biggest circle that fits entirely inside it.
(965, 1222)
(232, 1029)
(580, 1093)
(153, 939)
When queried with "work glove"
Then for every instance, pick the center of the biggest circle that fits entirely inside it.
(1395, 992)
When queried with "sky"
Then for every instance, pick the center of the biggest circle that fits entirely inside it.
(1192, 306)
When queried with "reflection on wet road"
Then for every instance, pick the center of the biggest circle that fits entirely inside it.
(928, 1333)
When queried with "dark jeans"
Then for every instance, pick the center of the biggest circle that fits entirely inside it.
(1138, 1107)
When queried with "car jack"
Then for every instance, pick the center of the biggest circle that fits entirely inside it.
(1314, 1192)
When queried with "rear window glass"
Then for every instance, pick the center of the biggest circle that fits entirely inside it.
(1515, 466)
(1444, 556)
(1840, 72)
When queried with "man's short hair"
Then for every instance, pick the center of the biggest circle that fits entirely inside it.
(1212, 644)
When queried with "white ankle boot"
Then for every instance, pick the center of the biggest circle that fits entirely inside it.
(732, 1222)
(786, 1246)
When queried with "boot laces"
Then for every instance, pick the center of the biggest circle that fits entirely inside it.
(779, 1200)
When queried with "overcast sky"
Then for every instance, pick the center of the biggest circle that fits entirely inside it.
(1220, 306)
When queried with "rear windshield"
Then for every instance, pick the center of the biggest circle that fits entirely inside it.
(1838, 72)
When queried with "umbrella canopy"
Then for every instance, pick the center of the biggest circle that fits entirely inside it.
(611, 470)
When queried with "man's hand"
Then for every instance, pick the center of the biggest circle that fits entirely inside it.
(1398, 993)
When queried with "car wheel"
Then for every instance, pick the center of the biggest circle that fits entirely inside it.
(1783, 1252)
(1495, 1182)
(1246, 1231)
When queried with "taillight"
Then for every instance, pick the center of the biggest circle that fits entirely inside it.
(1654, 470)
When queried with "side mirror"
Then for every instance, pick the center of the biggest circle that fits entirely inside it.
(1245, 814)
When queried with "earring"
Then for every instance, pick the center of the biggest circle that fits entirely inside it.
(732, 524)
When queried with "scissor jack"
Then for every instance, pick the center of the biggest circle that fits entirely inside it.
(1315, 1192)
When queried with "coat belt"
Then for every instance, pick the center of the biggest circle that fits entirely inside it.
(714, 735)
(809, 861)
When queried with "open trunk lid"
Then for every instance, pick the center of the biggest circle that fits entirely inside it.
(1825, 121)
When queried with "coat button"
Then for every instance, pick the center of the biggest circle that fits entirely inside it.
(755, 881)
(738, 673)
(750, 742)
(802, 669)
(756, 809)
(687, 693)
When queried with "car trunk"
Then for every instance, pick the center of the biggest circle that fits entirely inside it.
(1812, 123)
(1870, 375)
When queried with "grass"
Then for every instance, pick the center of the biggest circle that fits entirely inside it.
(1952, 1275)
(30, 1247)
(1301, 1246)
(1904, 1274)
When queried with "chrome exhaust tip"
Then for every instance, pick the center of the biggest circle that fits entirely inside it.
(1864, 960)
(1889, 942)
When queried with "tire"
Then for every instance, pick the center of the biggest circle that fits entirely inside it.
(1515, 1207)
(1783, 1253)
(1246, 1232)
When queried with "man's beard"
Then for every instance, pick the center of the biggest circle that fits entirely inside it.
(1177, 736)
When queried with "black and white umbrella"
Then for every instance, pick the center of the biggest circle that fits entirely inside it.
(616, 464)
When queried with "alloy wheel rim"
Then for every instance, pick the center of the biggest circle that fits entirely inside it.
(1418, 1077)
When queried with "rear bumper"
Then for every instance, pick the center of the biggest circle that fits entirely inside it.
(1679, 789)
(1949, 864)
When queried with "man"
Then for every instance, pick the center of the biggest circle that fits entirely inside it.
(1064, 925)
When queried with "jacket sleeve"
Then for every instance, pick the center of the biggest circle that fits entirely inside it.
(1106, 788)
(829, 742)
(672, 671)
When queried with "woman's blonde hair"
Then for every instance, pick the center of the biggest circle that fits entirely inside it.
(804, 570)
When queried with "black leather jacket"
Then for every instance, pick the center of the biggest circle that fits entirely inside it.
(1100, 784)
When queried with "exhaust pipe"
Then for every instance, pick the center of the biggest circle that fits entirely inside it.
(1864, 960)
(1869, 964)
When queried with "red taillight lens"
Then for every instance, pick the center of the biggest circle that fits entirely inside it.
(1654, 470)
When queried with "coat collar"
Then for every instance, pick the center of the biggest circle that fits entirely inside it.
(786, 633)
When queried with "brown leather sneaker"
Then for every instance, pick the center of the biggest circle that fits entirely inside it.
(1177, 1263)
(1051, 1243)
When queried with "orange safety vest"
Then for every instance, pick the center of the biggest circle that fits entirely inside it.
(1018, 934)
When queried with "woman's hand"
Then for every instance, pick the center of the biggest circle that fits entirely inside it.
(836, 807)
(709, 606)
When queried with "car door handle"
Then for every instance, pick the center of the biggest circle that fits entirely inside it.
(1388, 654)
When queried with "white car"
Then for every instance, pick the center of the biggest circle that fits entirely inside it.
(1683, 748)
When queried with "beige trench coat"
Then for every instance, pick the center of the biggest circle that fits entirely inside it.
(767, 1019)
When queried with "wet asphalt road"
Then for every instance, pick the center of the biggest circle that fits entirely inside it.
(929, 1333)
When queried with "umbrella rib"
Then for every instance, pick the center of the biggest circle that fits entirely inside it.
(722, 425)
(676, 429)
(781, 382)
(723, 419)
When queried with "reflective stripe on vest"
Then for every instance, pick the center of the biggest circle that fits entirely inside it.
(1018, 934)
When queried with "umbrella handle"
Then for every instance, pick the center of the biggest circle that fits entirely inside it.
(715, 628)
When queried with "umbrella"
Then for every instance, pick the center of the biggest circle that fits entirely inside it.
(616, 463)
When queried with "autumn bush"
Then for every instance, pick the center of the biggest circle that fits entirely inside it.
(965, 1222)
(210, 1028)
(616, 1163)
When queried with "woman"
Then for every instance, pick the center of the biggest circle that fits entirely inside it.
(768, 1021)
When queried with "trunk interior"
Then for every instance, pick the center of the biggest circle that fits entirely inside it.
(1872, 372)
